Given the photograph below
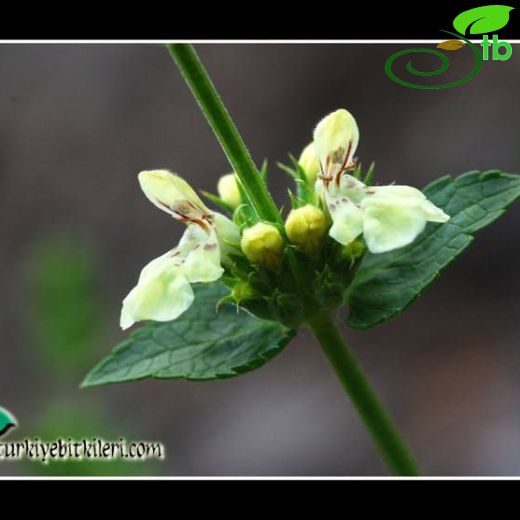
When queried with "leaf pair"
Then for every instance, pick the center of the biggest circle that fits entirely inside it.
(206, 344)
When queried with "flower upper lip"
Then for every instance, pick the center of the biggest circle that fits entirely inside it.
(335, 139)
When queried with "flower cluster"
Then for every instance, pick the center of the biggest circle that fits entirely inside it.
(334, 207)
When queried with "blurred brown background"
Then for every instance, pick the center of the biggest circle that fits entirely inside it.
(77, 122)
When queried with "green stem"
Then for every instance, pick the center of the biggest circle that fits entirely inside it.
(352, 378)
(218, 117)
(356, 385)
(234, 147)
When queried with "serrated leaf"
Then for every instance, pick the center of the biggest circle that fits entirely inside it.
(482, 20)
(385, 284)
(201, 344)
(451, 45)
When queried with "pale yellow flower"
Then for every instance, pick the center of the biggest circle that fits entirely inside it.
(163, 291)
(388, 217)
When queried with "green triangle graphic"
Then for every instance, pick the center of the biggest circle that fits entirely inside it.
(7, 421)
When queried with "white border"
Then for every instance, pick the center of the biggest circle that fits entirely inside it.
(249, 478)
(224, 41)
(258, 478)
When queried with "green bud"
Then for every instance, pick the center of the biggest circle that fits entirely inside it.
(242, 291)
(306, 227)
(228, 191)
(354, 250)
(262, 244)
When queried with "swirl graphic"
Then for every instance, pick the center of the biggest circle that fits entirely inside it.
(445, 63)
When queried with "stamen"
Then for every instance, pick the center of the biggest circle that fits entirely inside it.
(344, 164)
(325, 178)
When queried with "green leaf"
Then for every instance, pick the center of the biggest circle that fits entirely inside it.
(201, 344)
(482, 20)
(218, 202)
(369, 177)
(304, 191)
(387, 283)
(7, 421)
(295, 201)
(263, 171)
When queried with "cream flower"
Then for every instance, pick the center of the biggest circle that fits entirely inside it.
(263, 245)
(308, 160)
(228, 190)
(336, 139)
(306, 227)
(389, 217)
(163, 291)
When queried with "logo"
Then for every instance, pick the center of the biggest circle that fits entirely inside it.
(66, 448)
(480, 20)
(7, 421)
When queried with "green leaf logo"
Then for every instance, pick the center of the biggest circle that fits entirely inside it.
(482, 20)
(7, 421)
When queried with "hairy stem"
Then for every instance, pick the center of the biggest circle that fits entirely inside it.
(220, 121)
(234, 147)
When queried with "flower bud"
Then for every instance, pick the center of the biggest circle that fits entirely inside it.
(354, 250)
(242, 291)
(309, 162)
(262, 244)
(306, 227)
(228, 191)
